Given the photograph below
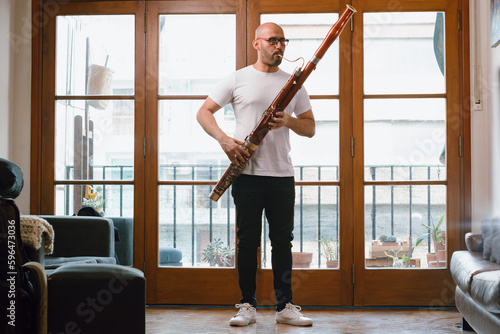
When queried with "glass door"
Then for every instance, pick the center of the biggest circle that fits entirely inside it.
(191, 238)
(404, 205)
(191, 241)
(92, 116)
(322, 247)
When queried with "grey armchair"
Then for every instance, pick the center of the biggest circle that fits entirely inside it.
(80, 240)
(86, 291)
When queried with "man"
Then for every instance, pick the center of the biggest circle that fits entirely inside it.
(267, 182)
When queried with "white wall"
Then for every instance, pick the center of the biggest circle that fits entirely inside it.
(6, 13)
(20, 146)
(15, 89)
(494, 71)
(485, 123)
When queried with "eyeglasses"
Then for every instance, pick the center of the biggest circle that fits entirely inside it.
(274, 40)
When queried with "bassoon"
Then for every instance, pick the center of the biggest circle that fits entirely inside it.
(291, 87)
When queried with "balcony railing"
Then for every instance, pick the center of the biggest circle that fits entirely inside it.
(314, 203)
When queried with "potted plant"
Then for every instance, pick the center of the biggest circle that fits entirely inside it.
(329, 249)
(217, 254)
(396, 261)
(94, 198)
(388, 240)
(301, 259)
(226, 257)
(438, 237)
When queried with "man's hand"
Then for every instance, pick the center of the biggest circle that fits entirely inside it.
(303, 125)
(281, 119)
(235, 150)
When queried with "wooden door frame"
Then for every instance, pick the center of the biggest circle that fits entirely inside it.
(319, 286)
(428, 287)
(145, 213)
(44, 99)
(190, 283)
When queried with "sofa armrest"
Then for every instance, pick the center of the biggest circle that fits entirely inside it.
(82, 236)
(474, 242)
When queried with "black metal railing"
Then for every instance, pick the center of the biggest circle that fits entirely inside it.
(382, 212)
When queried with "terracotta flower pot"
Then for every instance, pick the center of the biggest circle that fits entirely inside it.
(301, 259)
(389, 243)
(436, 260)
(332, 264)
(222, 264)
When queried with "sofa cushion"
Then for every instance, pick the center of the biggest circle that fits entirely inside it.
(478, 317)
(474, 242)
(124, 243)
(489, 228)
(465, 265)
(495, 248)
(169, 256)
(82, 236)
(485, 290)
(96, 298)
(11, 179)
(56, 262)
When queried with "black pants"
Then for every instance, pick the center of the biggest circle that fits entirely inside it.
(276, 197)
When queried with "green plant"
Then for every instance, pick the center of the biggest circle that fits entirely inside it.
(217, 253)
(395, 257)
(226, 256)
(434, 231)
(385, 238)
(94, 199)
(329, 248)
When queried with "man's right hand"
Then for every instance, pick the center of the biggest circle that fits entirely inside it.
(235, 150)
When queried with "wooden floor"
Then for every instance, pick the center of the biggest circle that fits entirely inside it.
(182, 320)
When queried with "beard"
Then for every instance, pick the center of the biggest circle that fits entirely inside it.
(271, 59)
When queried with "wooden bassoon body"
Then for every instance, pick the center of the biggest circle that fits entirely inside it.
(284, 97)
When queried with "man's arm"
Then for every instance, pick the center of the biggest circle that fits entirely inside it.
(303, 125)
(233, 148)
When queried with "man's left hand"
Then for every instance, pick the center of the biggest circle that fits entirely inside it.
(280, 120)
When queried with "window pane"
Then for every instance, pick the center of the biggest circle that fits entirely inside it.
(112, 201)
(193, 229)
(108, 154)
(186, 152)
(403, 53)
(405, 139)
(317, 158)
(394, 220)
(316, 232)
(109, 200)
(95, 55)
(193, 59)
(306, 32)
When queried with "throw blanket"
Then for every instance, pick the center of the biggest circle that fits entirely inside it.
(32, 228)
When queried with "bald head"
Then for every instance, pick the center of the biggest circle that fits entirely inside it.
(269, 29)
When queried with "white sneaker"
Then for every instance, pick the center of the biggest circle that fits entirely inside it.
(246, 315)
(291, 315)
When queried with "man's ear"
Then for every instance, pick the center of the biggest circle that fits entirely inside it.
(256, 44)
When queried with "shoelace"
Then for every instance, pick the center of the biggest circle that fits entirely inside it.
(295, 309)
(243, 308)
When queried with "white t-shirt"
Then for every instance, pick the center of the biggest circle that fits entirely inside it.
(250, 93)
